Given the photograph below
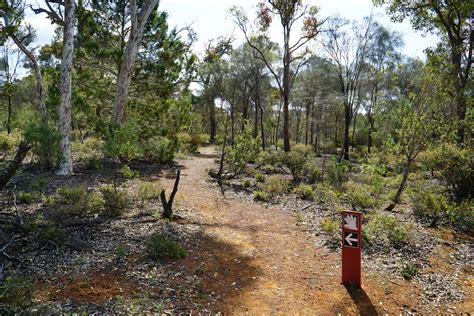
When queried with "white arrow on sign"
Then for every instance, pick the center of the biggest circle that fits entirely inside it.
(350, 240)
(350, 222)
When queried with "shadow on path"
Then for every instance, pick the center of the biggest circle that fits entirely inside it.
(361, 300)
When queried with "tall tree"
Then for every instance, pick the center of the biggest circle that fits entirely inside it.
(295, 53)
(23, 34)
(138, 22)
(347, 48)
(453, 20)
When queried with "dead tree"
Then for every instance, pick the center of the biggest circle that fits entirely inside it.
(168, 205)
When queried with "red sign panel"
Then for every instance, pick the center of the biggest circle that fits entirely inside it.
(351, 248)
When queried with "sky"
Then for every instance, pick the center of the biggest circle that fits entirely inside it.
(210, 19)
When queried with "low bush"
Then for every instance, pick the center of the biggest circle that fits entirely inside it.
(304, 191)
(73, 200)
(8, 142)
(408, 270)
(245, 150)
(329, 226)
(160, 247)
(259, 195)
(15, 292)
(122, 142)
(296, 159)
(116, 201)
(276, 185)
(160, 149)
(387, 230)
(337, 173)
(26, 197)
(89, 152)
(359, 195)
(127, 172)
(246, 184)
(147, 191)
(312, 172)
(45, 144)
(53, 233)
(189, 143)
(259, 177)
(430, 205)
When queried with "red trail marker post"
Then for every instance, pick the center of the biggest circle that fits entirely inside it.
(351, 248)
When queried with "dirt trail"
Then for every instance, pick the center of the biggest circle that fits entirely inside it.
(256, 260)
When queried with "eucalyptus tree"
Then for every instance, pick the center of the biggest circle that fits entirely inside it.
(382, 58)
(23, 34)
(348, 49)
(295, 53)
(10, 59)
(453, 20)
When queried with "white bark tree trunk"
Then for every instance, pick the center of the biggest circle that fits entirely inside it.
(65, 167)
(129, 56)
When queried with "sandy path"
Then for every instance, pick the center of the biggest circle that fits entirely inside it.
(256, 260)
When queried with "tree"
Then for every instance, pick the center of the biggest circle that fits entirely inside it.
(9, 64)
(13, 14)
(413, 110)
(138, 22)
(295, 54)
(453, 20)
(382, 56)
(348, 50)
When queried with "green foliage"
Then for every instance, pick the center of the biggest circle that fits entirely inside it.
(160, 149)
(245, 150)
(16, 292)
(116, 201)
(54, 234)
(8, 142)
(189, 143)
(76, 200)
(359, 194)
(455, 167)
(338, 173)
(304, 191)
(312, 172)
(89, 149)
(247, 184)
(296, 159)
(45, 144)
(408, 270)
(160, 247)
(147, 191)
(259, 177)
(259, 195)
(329, 226)
(127, 172)
(324, 194)
(122, 142)
(26, 197)
(120, 251)
(387, 230)
(299, 217)
(431, 205)
(276, 185)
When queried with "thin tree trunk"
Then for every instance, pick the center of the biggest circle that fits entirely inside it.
(65, 167)
(9, 114)
(353, 130)
(262, 133)
(401, 188)
(20, 154)
(39, 78)
(212, 120)
(126, 66)
(347, 126)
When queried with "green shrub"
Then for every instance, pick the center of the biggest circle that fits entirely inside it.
(16, 292)
(359, 195)
(455, 167)
(8, 142)
(431, 205)
(387, 230)
(325, 195)
(259, 177)
(463, 215)
(188, 143)
(116, 201)
(245, 150)
(45, 144)
(304, 191)
(73, 199)
(246, 184)
(259, 195)
(147, 191)
(89, 151)
(129, 173)
(268, 169)
(160, 149)
(26, 197)
(408, 270)
(312, 172)
(296, 159)
(53, 233)
(337, 173)
(299, 217)
(276, 185)
(271, 157)
(329, 226)
(159, 247)
(122, 142)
